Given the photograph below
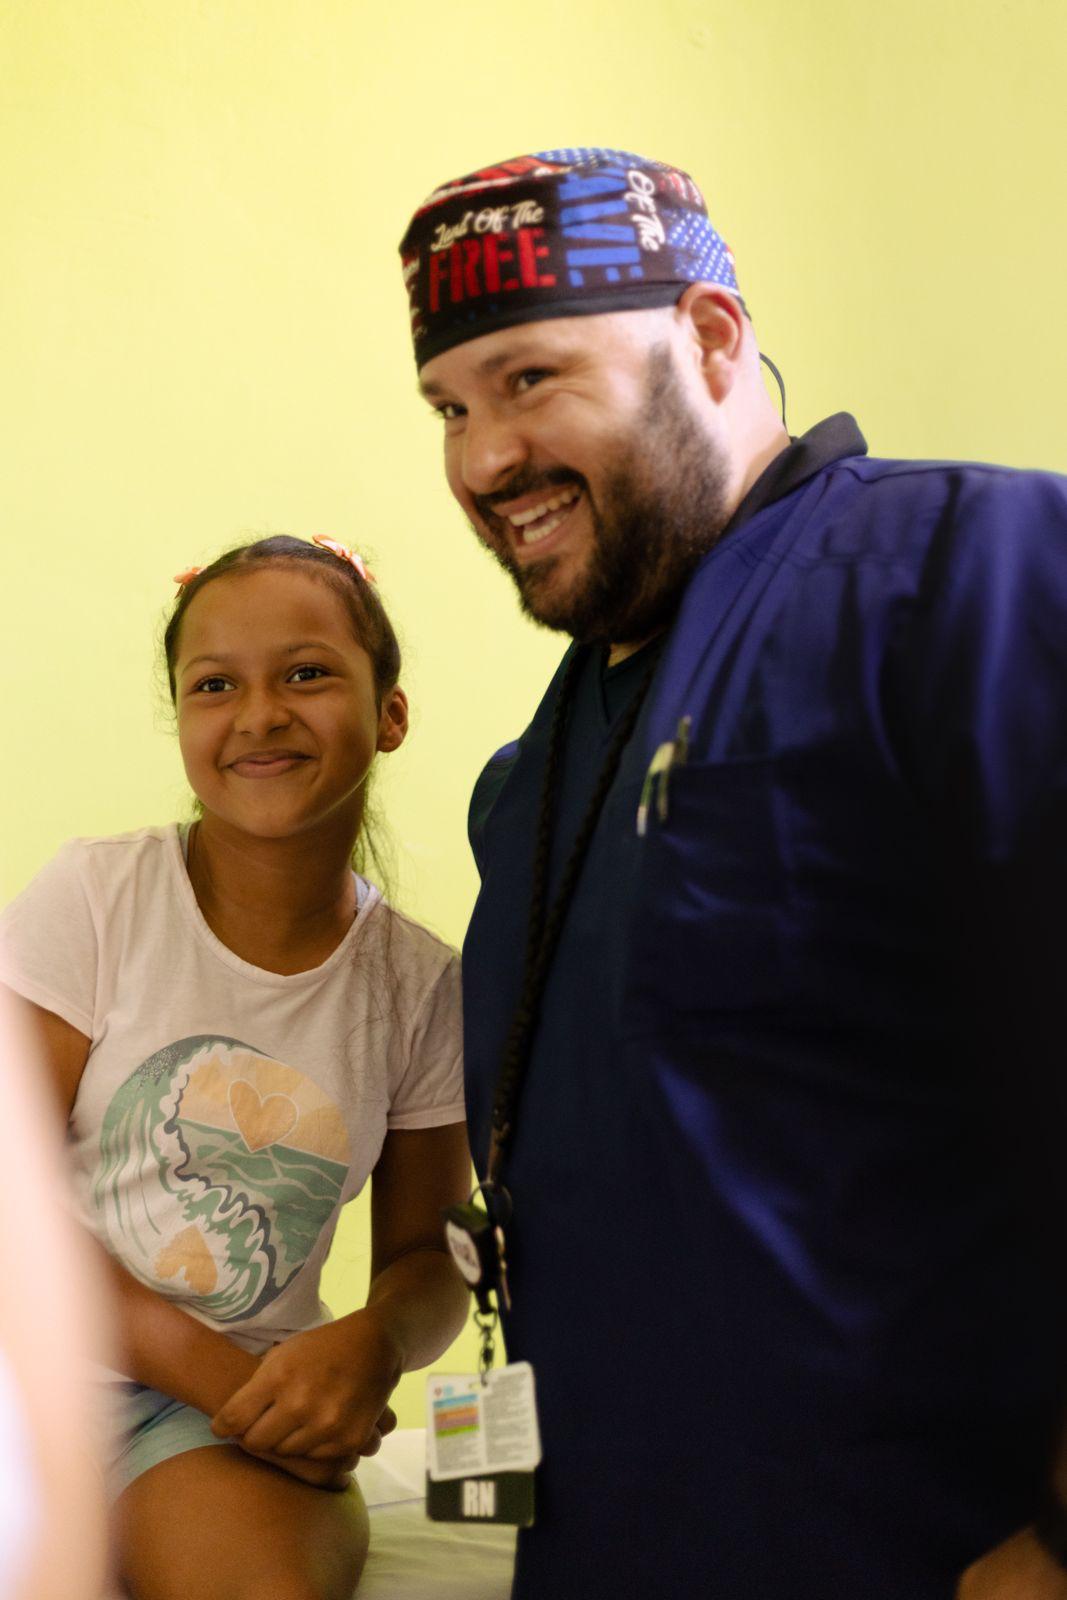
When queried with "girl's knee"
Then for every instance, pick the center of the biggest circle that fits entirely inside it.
(276, 1581)
(241, 1532)
(280, 1585)
(330, 1569)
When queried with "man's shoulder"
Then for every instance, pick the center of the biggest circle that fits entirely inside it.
(958, 512)
(498, 766)
(870, 510)
(890, 478)
(494, 775)
(487, 787)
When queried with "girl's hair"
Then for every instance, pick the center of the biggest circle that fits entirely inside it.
(370, 624)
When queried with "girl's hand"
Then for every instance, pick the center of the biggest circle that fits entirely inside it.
(326, 1472)
(384, 1425)
(320, 1396)
(335, 1475)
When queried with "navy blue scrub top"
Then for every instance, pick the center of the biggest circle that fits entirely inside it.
(782, 1238)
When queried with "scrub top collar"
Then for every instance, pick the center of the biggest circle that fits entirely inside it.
(829, 441)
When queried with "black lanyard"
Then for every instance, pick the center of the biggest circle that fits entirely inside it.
(546, 922)
(476, 1237)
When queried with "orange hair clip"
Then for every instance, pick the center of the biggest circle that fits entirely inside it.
(182, 578)
(343, 553)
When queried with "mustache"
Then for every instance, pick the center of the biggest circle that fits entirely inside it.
(526, 483)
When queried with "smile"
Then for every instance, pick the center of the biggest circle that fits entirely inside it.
(268, 765)
(539, 521)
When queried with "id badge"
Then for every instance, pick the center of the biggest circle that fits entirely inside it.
(482, 1446)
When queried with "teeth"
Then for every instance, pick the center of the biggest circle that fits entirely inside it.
(542, 533)
(564, 498)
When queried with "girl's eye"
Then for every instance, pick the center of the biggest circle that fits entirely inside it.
(448, 412)
(306, 674)
(212, 685)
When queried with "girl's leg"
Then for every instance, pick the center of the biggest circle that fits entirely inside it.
(217, 1524)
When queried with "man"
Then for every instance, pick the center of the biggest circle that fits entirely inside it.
(762, 982)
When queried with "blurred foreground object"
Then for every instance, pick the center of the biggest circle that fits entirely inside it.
(52, 1527)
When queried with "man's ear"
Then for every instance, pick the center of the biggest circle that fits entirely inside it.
(715, 322)
(393, 723)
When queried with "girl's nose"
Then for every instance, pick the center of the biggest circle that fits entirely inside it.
(262, 711)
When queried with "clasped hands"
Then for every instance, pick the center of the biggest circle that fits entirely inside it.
(318, 1401)
(1018, 1569)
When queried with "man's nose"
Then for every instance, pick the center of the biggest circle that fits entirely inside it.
(492, 449)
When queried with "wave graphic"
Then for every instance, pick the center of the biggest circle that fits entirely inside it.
(187, 1205)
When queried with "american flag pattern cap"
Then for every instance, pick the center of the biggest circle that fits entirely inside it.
(558, 234)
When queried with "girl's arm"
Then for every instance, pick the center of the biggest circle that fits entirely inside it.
(417, 1296)
(164, 1347)
(324, 1391)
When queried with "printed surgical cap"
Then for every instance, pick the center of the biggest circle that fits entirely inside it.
(561, 234)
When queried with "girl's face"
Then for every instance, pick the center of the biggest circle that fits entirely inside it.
(277, 715)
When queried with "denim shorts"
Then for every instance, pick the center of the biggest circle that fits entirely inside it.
(143, 1427)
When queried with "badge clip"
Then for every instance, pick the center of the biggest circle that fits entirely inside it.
(477, 1245)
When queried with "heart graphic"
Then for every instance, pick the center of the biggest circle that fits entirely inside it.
(261, 1120)
(189, 1254)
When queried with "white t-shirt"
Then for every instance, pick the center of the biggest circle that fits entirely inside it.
(226, 1113)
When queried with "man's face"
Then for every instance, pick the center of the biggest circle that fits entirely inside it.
(584, 466)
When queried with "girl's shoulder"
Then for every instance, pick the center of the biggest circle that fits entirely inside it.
(410, 948)
(123, 852)
(137, 841)
(103, 864)
(79, 915)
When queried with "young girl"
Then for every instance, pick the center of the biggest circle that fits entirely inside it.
(241, 1030)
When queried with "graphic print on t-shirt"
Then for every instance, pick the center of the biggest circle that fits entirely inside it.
(219, 1167)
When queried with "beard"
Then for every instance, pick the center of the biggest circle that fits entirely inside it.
(664, 504)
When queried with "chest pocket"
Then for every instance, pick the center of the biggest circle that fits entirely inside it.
(706, 933)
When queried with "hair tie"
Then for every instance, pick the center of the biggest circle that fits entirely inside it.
(182, 578)
(343, 553)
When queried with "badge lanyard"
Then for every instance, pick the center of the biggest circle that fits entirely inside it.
(477, 1235)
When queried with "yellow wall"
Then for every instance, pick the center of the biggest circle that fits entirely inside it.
(203, 331)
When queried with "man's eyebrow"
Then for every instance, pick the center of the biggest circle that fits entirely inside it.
(502, 358)
(485, 369)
